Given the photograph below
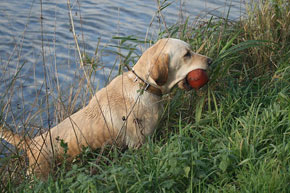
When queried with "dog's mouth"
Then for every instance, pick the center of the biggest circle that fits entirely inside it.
(184, 85)
(194, 79)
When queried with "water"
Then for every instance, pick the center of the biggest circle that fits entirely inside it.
(26, 44)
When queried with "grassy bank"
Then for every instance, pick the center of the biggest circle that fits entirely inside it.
(232, 136)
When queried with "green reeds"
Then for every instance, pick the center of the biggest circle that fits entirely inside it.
(231, 136)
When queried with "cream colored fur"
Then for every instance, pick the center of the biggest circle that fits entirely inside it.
(118, 114)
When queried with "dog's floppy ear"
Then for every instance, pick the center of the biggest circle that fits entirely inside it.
(159, 72)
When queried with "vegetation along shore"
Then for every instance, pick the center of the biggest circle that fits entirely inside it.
(231, 136)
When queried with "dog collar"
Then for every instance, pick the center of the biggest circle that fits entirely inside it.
(147, 86)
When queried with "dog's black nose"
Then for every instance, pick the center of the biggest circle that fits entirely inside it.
(209, 61)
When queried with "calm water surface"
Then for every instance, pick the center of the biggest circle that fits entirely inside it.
(95, 21)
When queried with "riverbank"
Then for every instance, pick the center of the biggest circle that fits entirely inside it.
(232, 136)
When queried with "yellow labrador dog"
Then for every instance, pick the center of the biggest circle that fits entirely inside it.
(124, 113)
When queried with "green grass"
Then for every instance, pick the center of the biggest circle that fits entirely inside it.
(232, 136)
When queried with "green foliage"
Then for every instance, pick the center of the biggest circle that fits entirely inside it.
(233, 136)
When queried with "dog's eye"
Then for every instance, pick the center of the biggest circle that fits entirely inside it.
(187, 54)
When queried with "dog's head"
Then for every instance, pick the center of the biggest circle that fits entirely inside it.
(168, 62)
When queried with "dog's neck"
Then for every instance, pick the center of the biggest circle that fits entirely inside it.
(146, 86)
